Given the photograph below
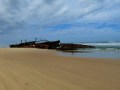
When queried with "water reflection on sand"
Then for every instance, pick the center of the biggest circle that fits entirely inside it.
(94, 53)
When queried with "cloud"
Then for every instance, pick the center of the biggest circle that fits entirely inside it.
(19, 18)
(15, 11)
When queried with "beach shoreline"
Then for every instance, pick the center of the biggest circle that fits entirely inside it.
(41, 69)
(91, 53)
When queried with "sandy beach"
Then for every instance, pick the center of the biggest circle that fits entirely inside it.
(37, 69)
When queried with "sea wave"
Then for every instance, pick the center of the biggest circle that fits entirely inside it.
(104, 45)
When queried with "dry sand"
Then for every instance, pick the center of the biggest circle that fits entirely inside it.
(36, 69)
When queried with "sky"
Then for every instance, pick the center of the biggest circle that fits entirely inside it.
(65, 20)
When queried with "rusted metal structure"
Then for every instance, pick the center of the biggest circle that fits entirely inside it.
(37, 44)
(48, 45)
(71, 46)
(24, 45)
(45, 44)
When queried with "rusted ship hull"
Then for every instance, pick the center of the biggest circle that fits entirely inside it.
(35, 44)
(50, 45)
(69, 46)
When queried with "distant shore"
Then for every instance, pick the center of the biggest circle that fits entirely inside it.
(41, 69)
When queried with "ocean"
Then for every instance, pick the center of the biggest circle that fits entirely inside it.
(101, 50)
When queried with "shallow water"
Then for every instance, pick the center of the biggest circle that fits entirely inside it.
(99, 52)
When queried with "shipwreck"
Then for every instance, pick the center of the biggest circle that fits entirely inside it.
(45, 44)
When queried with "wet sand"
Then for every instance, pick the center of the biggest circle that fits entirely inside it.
(36, 69)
